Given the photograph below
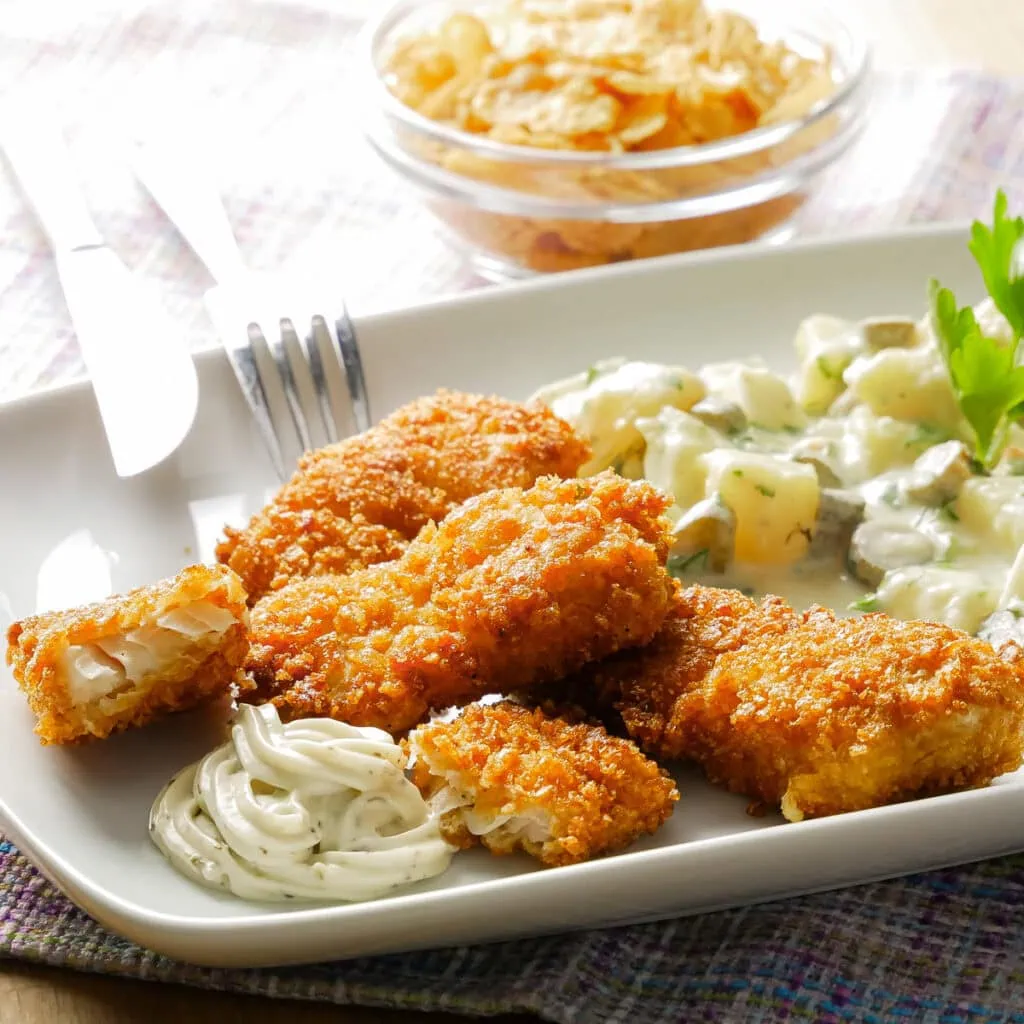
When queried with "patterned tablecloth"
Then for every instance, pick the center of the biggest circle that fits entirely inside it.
(262, 92)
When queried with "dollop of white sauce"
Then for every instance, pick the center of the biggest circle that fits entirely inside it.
(312, 809)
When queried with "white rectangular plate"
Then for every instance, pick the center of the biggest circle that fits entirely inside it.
(71, 531)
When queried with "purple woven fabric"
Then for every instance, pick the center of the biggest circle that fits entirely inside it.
(302, 191)
(937, 948)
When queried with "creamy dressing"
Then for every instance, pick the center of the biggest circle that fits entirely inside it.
(312, 809)
(848, 484)
(801, 586)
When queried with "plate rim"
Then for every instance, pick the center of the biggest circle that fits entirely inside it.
(541, 878)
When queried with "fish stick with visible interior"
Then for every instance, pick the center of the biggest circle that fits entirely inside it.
(126, 661)
(514, 588)
(513, 779)
(361, 501)
(814, 714)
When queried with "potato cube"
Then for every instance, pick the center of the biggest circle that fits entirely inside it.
(775, 501)
(993, 507)
(909, 384)
(826, 346)
(675, 440)
(764, 396)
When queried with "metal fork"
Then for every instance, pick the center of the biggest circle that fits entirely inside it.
(339, 338)
(287, 365)
(301, 375)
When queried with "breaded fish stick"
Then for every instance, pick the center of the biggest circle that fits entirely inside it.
(648, 687)
(513, 779)
(359, 502)
(512, 589)
(125, 661)
(818, 715)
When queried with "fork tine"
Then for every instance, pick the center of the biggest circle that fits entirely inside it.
(346, 348)
(315, 363)
(280, 368)
(247, 371)
(244, 358)
(278, 346)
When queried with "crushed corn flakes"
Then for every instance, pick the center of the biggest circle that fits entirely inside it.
(613, 76)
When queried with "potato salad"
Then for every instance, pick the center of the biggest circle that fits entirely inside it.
(853, 482)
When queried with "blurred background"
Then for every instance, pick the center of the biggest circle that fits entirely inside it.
(261, 96)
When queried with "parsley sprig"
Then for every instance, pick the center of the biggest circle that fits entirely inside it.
(986, 378)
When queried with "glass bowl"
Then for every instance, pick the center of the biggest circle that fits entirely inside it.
(518, 210)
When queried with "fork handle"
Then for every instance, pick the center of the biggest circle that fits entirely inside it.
(193, 206)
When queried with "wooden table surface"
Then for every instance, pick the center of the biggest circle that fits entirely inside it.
(985, 34)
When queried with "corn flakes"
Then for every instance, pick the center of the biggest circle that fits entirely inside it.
(611, 76)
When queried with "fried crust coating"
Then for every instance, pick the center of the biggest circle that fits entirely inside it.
(816, 714)
(645, 687)
(360, 502)
(561, 792)
(514, 588)
(91, 671)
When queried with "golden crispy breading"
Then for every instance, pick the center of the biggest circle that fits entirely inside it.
(92, 671)
(840, 715)
(555, 701)
(512, 589)
(645, 686)
(513, 779)
(819, 715)
(359, 502)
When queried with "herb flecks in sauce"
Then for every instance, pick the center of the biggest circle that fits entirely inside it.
(272, 813)
(680, 565)
(890, 495)
(919, 432)
(830, 370)
(926, 435)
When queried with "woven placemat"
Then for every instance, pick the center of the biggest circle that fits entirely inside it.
(275, 131)
(939, 948)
